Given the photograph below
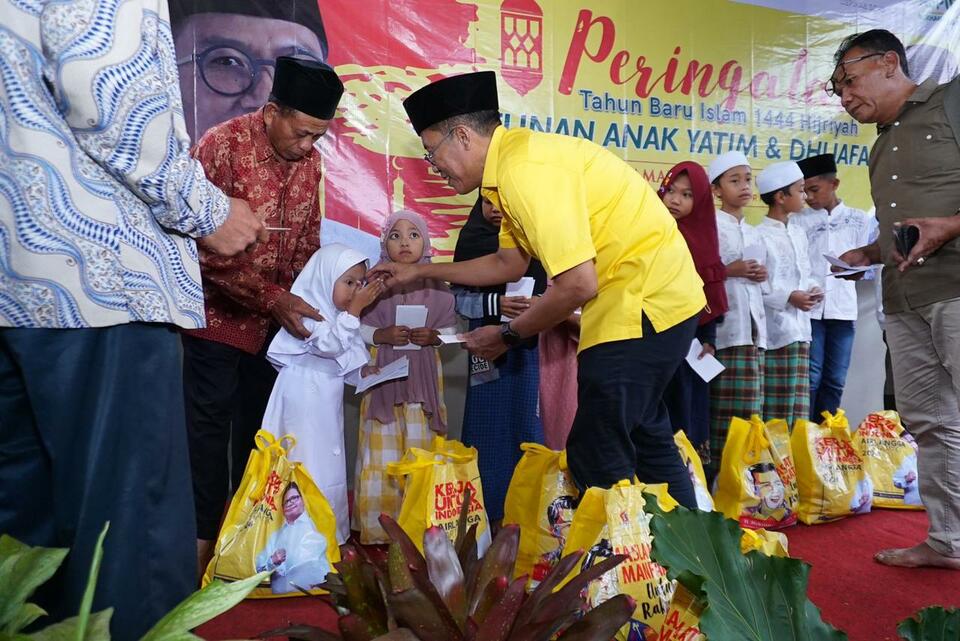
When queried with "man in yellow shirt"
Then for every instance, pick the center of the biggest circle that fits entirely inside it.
(610, 247)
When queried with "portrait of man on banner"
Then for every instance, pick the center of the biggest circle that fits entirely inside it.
(226, 51)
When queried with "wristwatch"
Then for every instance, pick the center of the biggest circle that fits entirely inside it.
(510, 337)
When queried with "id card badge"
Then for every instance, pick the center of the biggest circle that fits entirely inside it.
(482, 371)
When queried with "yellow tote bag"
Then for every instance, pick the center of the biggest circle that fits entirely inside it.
(688, 453)
(613, 521)
(757, 484)
(763, 541)
(278, 521)
(682, 622)
(890, 459)
(540, 500)
(830, 474)
(434, 488)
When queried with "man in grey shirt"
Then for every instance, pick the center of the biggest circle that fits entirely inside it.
(915, 180)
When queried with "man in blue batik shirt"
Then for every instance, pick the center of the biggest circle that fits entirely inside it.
(100, 204)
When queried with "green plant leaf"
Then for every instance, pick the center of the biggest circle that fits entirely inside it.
(752, 596)
(22, 570)
(200, 607)
(29, 612)
(86, 604)
(97, 628)
(931, 624)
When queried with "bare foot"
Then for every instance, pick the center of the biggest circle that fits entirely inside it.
(921, 555)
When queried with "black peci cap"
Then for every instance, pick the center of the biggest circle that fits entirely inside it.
(308, 86)
(818, 165)
(453, 96)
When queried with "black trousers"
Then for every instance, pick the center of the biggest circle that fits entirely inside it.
(226, 392)
(91, 430)
(622, 427)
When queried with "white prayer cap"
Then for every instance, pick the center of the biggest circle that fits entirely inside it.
(726, 161)
(777, 176)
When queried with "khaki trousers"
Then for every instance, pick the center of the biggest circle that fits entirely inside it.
(925, 349)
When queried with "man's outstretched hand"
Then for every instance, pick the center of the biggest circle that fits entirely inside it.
(393, 273)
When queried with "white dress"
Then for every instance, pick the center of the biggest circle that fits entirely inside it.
(307, 399)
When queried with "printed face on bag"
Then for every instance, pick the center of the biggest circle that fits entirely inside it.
(768, 488)
(292, 504)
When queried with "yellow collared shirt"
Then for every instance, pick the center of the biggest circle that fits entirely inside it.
(566, 201)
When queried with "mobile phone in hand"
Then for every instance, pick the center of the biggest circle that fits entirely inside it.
(905, 237)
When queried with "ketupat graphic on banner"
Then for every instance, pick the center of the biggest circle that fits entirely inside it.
(655, 82)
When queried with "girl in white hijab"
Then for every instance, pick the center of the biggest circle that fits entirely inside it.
(307, 399)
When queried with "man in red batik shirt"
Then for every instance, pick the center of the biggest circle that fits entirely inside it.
(268, 158)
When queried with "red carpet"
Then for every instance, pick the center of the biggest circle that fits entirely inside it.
(855, 594)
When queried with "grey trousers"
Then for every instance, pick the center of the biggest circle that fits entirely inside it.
(925, 349)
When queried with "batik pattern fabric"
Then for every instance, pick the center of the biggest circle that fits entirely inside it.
(786, 383)
(99, 198)
(240, 291)
(736, 392)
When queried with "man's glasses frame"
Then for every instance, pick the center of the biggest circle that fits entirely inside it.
(430, 156)
(830, 86)
(256, 65)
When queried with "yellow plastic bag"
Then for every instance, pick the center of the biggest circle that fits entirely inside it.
(279, 521)
(763, 541)
(890, 459)
(688, 453)
(434, 488)
(757, 484)
(613, 521)
(830, 475)
(682, 622)
(540, 500)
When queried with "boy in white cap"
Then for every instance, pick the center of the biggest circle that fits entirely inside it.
(832, 227)
(741, 334)
(788, 295)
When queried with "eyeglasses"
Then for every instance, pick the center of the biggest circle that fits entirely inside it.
(429, 157)
(231, 71)
(291, 501)
(835, 87)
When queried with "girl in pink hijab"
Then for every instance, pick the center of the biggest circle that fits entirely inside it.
(404, 413)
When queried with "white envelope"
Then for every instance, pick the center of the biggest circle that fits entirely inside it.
(399, 368)
(522, 287)
(412, 316)
(755, 252)
(707, 367)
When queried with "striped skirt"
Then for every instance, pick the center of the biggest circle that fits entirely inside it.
(737, 391)
(786, 383)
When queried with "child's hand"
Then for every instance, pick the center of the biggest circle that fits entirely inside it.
(369, 370)
(396, 335)
(744, 269)
(706, 348)
(759, 274)
(365, 296)
(513, 306)
(425, 337)
(804, 301)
